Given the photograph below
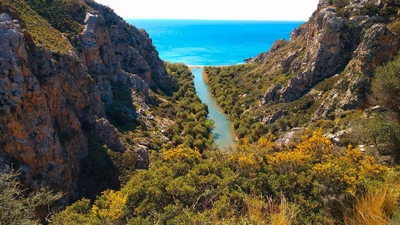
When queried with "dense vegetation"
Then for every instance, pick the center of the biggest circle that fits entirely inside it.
(180, 119)
(40, 30)
(308, 181)
(58, 13)
(18, 207)
(384, 128)
(311, 181)
(235, 96)
(261, 183)
(238, 89)
(191, 127)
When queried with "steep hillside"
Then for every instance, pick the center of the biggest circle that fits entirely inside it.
(84, 97)
(322, 73)
(71, 72)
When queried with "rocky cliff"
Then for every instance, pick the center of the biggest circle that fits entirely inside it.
(60, 81)
(322, 73)
(345, 39)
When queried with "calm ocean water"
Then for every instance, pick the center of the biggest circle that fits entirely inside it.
(211, 43)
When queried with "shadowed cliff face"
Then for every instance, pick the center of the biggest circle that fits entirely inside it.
(50, 99)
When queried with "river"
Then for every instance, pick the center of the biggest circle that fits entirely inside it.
(223, 130)
(213, 43)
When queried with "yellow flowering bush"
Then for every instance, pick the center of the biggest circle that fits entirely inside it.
(286, 161)
(181, 154)
(348, 171)
(248, 158)
(318, 146)
(110, 206)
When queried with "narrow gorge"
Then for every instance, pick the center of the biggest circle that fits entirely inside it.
(95, 128)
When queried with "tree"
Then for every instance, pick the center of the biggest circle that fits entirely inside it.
(386, 86)
(15, 207)
(384, 129)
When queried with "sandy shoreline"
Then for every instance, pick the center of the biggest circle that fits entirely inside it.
(194, 67)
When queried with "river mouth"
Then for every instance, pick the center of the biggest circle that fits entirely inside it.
(223, 130)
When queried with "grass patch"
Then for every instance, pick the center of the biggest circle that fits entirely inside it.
(42, 32)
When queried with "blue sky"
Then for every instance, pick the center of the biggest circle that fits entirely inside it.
(295, 10)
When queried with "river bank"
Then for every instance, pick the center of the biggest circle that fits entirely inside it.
(223, 130)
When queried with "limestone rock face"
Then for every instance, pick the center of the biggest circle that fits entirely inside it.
(326, 53)
(51, 102)
(30, 112)
(271, 93)
(108, 133)
(347, 40)
(143, 157)
(133, 50)
(378, 46)
(94, 51)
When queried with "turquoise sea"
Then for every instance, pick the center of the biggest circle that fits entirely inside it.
(213, 42)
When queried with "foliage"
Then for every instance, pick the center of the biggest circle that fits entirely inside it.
(384, 127)
(42, 32)
(377, 205)
(394, 26)
(56, 12)
(19, 207)
(181, 154)
(236, 91)
(386, 86)
(110, 206)
(384, 133)
(257, 183)
(191, 127)
(78, 213)
(232, 95)
(370, 9)
(340, 3)
(286, 214)
(250, 158)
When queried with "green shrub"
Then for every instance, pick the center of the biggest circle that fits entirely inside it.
(340, 3)
(254, 183)
(18, 206)
(191, 127)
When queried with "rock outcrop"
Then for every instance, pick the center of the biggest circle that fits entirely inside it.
(39, 126)
(52, 99)
(132, 49)
(348, 40)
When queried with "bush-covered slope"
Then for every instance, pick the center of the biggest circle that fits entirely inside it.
(323, 73)
(84, 97)
(260, 183)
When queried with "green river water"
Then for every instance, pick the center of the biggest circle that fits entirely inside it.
(223, 131)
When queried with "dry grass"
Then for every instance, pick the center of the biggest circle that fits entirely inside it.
(380, 205)
(285, 215)
(271, 212)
